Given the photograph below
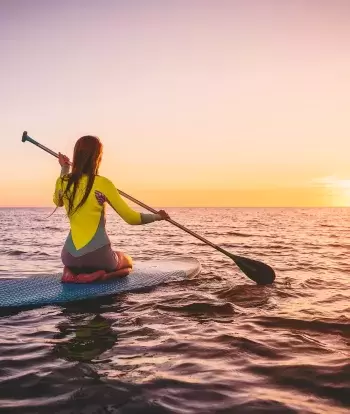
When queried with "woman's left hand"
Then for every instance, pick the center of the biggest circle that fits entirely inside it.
(163, 214)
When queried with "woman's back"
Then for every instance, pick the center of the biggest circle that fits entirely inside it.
(88, 221)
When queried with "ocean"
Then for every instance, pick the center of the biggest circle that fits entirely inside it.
(216, 343)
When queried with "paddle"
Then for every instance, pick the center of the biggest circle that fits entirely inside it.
(257, 271)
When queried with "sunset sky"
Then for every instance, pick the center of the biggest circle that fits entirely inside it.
(198, 103)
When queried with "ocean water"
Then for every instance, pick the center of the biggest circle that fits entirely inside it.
(216, 343)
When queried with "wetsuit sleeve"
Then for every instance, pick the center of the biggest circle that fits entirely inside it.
(65, 170)
(115, 200)
(57, 197)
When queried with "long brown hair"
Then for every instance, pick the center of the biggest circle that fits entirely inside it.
(86, 160)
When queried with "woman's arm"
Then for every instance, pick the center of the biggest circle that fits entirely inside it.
(57, 196)
(129, 215)
(64, 163)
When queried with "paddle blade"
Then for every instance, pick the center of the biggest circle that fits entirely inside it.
(259, 272)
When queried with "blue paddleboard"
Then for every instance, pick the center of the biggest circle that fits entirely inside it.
(47, 289)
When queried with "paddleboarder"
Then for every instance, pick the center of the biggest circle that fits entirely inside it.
(84, 194)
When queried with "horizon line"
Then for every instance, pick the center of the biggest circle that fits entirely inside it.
(238, 207)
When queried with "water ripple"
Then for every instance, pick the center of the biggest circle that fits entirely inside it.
(216, 343)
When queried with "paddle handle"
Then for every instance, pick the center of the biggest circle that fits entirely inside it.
(26, 137)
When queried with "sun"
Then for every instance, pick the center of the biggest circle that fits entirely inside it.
(342, 190)
(338, 189)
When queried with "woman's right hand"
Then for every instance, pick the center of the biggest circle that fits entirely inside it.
(63, 160)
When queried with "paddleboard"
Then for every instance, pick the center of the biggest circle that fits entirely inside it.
(47, 289)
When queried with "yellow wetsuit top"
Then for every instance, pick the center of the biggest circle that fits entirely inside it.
(87, 224)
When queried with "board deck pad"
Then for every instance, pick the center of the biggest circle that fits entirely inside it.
(47, 289)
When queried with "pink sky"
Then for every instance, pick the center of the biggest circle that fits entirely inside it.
(197, 102)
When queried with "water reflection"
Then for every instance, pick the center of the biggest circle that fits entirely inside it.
(84, 336)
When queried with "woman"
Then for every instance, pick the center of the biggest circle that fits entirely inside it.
(84, 193)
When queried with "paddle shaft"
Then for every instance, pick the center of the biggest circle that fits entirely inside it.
(25, 137)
